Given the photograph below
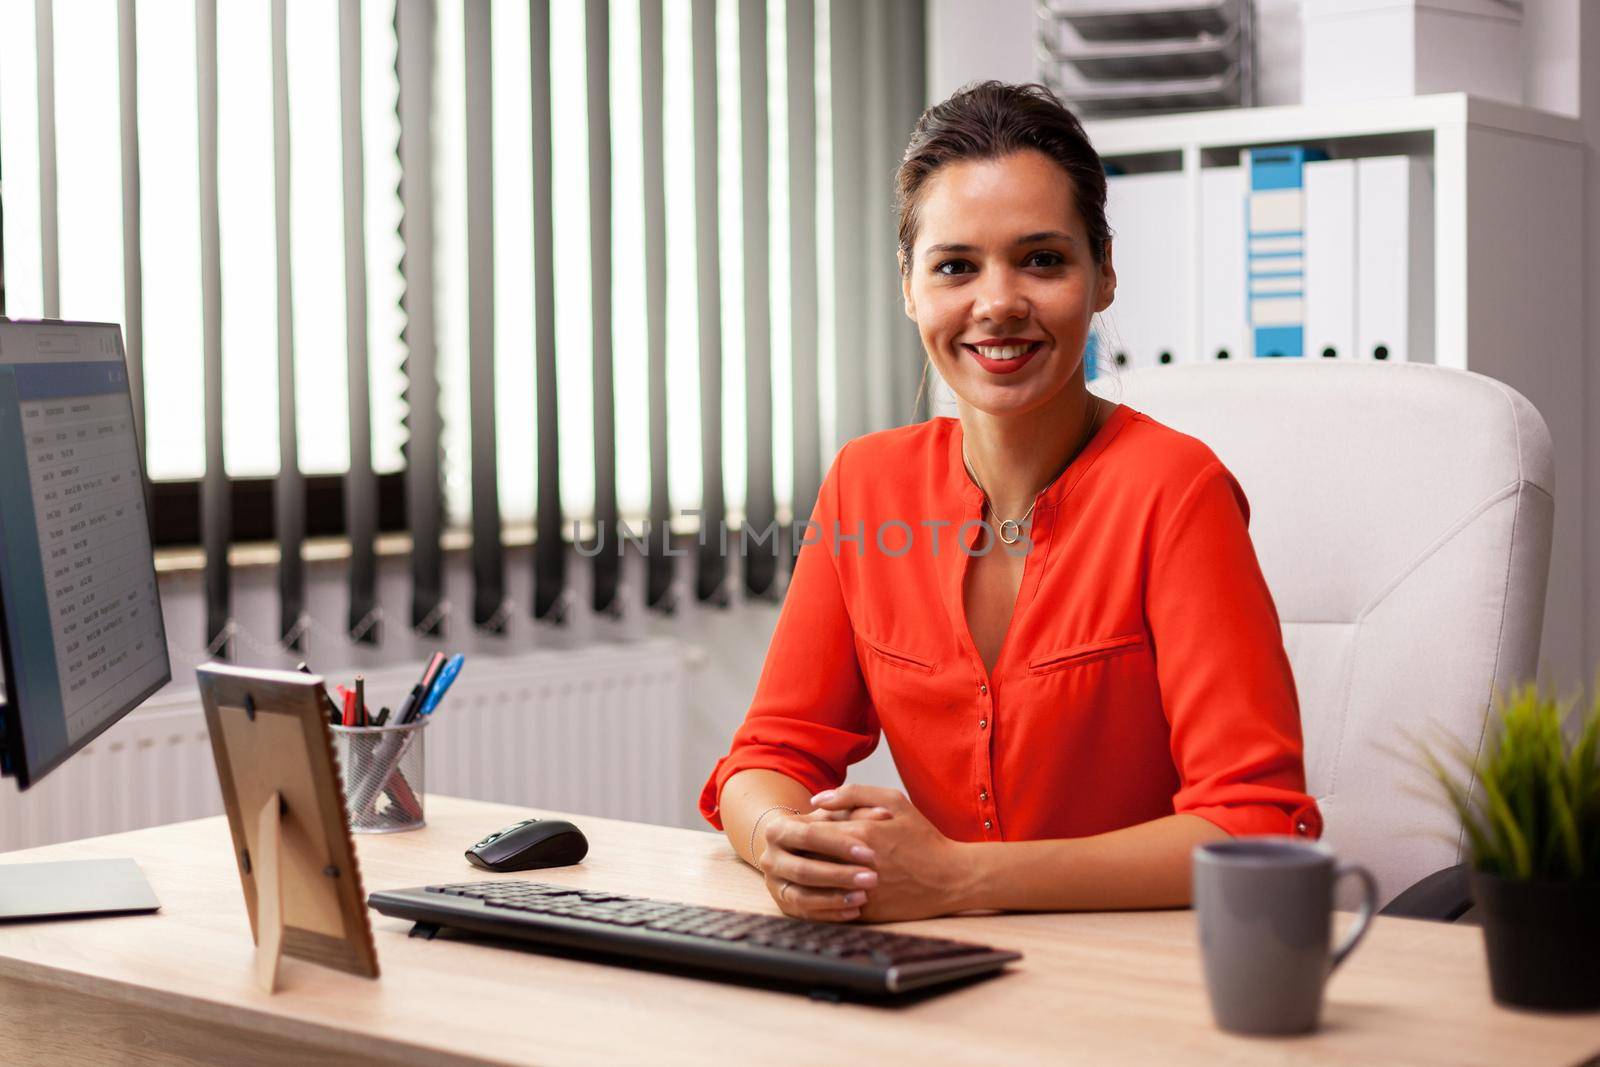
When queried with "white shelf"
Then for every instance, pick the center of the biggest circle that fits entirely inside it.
(1241, 127)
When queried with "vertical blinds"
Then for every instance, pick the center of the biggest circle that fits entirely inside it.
(414, 29)
(783, 340)
(289, 496)
(660, 569)
(49, 213)
(550, 600)
(361, 483)
(215, 514)
(128, 141)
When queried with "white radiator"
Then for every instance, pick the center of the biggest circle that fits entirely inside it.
(597, 730)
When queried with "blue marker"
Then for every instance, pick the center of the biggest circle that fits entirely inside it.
(446, 676)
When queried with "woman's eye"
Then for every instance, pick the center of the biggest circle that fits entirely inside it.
(1046, 259)
(940, 268)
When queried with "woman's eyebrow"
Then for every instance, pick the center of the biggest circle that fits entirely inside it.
(1030, 239)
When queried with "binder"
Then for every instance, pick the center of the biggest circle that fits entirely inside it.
(1148, 215)
(1394, 235)
(1224, 330)
(1275, 248)
(1330, 258)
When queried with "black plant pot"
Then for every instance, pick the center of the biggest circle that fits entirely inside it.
(1543, 941)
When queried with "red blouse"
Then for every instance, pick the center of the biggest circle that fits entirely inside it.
(1143, 672)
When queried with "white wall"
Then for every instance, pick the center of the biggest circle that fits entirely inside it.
(1551, 47)
(1277, 52)
(1561, 73)
(973, 40)
(1588, 37)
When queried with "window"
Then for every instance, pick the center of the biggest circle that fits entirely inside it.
(62, 229)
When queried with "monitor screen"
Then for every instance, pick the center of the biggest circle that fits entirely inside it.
(82, 636)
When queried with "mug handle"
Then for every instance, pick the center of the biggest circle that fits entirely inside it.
(1369, 904)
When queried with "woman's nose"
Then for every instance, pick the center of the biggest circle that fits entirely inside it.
(999, 298)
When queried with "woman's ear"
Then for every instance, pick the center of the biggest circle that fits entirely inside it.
(905, 289)
(1106, 291)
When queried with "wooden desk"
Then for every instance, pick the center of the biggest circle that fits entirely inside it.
(1095, 988)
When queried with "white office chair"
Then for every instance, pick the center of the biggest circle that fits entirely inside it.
(1402, 514)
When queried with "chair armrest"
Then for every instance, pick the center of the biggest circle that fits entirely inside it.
(1443, 896)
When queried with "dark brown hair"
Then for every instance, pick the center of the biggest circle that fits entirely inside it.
(989, 120)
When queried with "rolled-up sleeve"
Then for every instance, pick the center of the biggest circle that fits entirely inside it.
(1226, 684)
(811, 716)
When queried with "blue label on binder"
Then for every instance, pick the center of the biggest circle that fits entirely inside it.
(1275, 249)
(1280, 168)
(1272, 341)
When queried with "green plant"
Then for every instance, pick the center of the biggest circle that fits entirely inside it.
(1533, 810)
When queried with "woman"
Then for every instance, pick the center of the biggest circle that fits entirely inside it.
(1050, 605)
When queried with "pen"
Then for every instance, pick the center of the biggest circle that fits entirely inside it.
(429, 675)
(383, 717)
(408, 704)
(446, 677)
(361, 700)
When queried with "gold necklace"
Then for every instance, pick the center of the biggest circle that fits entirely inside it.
(1013, 527)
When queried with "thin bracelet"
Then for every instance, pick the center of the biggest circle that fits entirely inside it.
(757, 826)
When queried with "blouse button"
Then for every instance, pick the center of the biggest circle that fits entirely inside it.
(983, 689)
(983, 794)
(983, 724)
(987, 825)
(1300, 828)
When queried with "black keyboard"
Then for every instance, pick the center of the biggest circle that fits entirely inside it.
(820, 956)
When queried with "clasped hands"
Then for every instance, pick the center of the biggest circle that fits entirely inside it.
(865, 853)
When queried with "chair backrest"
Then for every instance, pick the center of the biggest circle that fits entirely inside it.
(1402, 514)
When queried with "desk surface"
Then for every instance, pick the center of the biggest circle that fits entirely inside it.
(1093, 988)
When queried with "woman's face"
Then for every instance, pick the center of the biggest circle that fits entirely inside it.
(1002, 285)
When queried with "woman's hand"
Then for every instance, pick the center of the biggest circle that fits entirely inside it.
(920, 872)
(813, 874)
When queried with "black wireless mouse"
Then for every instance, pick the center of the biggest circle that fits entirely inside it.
(529, 844)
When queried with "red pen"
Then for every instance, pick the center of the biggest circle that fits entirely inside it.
(349, 707)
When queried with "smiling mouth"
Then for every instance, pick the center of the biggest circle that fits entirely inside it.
(1004, 359)
(1003, 353)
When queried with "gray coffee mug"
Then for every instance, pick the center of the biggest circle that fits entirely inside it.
(1265, 907)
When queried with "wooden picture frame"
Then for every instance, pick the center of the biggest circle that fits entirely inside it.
(285, 802)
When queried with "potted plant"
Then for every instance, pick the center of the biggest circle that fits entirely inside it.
(1530, 805)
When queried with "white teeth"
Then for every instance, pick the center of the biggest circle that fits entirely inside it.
(1002, 352)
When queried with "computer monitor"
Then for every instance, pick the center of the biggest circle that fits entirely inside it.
(81, 633)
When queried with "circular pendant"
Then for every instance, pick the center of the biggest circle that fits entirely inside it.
(1010, 529)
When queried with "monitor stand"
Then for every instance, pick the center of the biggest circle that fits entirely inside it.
(73, 888)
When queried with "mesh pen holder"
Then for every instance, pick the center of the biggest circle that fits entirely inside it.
(382, 768)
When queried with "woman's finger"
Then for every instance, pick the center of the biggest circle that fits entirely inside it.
(808, 900)
(824, 839)
(826, 916)
(791, 903)
(861, 796)
(850, 814)
(816, 873)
